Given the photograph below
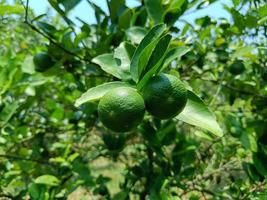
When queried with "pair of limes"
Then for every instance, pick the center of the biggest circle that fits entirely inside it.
(122, 109)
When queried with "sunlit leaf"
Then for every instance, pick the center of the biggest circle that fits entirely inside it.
(95, 93)
(144, 50)
(197, 113)
(47, 180)
(11, 9)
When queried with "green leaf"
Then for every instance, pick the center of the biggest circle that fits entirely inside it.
(121, 195)
(8, 9)
(15, 186)
(69, 4)
(118, 64)
(114, 7)
(155, 62)
(175, 5)
(125, 53)
(173, 54)
(136, 34)
(47, 180)
(159, 53)
(8, 111)
(95, 93)
(239, 19)
(99, 13)
(259, 160)
(109, 64)
(125, 19)
(155, 10)
(47, 28)
(67, 41)
(251, 171)
(56, 6)
(174, 10)
(35, 191)
(144, 50)
(28, 65)
(248, 140)
(263, 10)
(245, 52)
(262, 20)
(197, 113)
(204, 135)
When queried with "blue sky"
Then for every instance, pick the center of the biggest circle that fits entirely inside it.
(85, 12)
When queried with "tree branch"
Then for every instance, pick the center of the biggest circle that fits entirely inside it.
(234, 88)
(26, 21)
(24, 159)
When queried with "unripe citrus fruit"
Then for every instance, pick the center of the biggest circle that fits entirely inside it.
(114, 141)
(165, 96)
(121, 109)
(222, 55)
(42, 62)
(237, 67)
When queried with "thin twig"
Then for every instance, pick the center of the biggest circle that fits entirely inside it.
(258, 187)
(220, 82)
(234, 88)
(27, 10)
(26, 21)
(25, 159)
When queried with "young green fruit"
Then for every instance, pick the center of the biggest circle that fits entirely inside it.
(114, 141)
(237, 67)
(165, 96)
(121, 109)
(42, 62)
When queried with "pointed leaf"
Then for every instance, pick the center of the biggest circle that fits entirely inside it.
(159, 52)
(262, 21)
(109, 64)
(176, 4)
(125, 19)
(155, 10)
(144, 50)
(136, 34)
(28, 65)
(260, 163)
(174, 54)
(95, 93)
(114, 7)
(155, 61)
(197, 113)
(7, 112)
(125, 53)
(69, 4)
(47, 180)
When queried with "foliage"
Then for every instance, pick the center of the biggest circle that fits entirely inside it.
(52, 144)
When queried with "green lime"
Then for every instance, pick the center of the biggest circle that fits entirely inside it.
(114, 141)
(165, 96)
(42, 62)
(222, 55)
(121, 109)
(237, 67)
